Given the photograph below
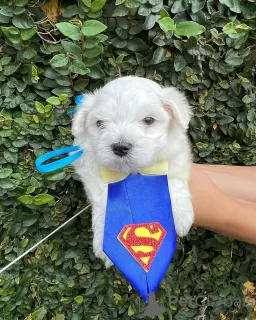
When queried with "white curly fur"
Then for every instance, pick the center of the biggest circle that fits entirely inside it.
(122, 104)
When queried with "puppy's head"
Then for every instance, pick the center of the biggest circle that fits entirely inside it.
(131, 123)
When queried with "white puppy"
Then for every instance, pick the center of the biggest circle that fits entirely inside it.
(129, 124)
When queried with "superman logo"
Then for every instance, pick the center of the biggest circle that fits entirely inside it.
(142, 241)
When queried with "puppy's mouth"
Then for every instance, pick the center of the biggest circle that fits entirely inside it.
(124, 157)
(128, 164)
(123, 164)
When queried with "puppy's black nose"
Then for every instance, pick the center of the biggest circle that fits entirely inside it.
(121, 149)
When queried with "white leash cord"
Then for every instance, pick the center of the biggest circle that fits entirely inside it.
(42, 240)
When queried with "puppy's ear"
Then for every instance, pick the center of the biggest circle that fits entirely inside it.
(176, 103)
(79, 120)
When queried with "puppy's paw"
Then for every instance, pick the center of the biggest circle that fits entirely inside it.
(99, 253)
(108, 262)
(183, 225)
(183, 215)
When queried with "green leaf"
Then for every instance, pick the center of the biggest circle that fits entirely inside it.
(57, 176)
(229, 28)
(144, 10)
(29, 53)
(59, 60)
(30, 189)
(248, 99)
(154, 2)
(5, 172)
(5, 60)
(23, 21)
(10, 69)
(178, 6)
(53, 100)
(42, 199)
(24, 243)
(92, 62)
(80, 84)
(167, 24)
(34, 73)
(69, 30)
(70, 11)
(10, 30)
(39, 314)
(70, 254)
(234, 5)
(5, 133)
(6, 11)
(224, 119)
(119, 43)
(150, 22)
(19, 143)
(243, 27)
(189, 28)
(137, 45)
(234, 60)
(19, 10)
(92, 28)
(131, 311)
(94, 52)
(87, 3)
(92, 41)
(120, 11)
(226, 252)
(96, 72)
(158, 56)
(63, 97)
(179, 63)
(72, 48)
(59, 317)
(10, 257)
(26, 199)
(132, 4)
(79, 299)
(27, 34)
(97, 5)
(29, 219)
(37, 200)
(11, 33)
(240, 41)
(206, 49)
(78, 67)
(164, 14)
(11, 157)
(9, 183)
(197, 5)
(20, 3)
(39, 107)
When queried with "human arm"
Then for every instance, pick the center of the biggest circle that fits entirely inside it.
(223, 211)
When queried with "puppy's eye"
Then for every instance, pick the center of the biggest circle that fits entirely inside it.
(100, 124)
(148, 120)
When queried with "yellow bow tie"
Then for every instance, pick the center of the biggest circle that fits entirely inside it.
(158, 169)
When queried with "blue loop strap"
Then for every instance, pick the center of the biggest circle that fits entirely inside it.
(59, 163)
(78, 101)
(71, 111)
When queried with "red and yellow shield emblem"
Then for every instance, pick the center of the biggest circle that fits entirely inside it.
(142, 241)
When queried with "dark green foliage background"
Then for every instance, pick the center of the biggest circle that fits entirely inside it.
(62, 279)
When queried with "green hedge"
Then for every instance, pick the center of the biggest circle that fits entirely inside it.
(43, 67)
